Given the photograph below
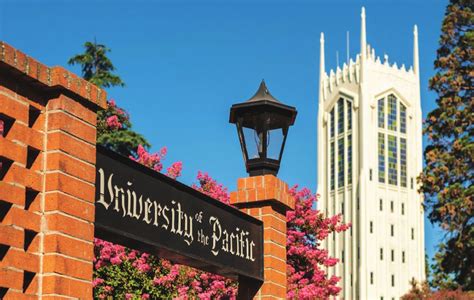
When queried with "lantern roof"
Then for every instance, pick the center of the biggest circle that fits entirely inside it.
(262, 94)
(260, 102)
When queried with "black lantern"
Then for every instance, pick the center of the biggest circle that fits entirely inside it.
(262, 124)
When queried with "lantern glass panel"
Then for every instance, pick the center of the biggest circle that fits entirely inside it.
(253, 143)
(275, 142)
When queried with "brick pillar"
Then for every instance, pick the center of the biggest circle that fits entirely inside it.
(47, 176)
(266, 198)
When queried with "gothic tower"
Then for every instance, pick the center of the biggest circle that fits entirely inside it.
(369, 155)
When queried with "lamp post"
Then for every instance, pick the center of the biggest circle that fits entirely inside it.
(262, 125)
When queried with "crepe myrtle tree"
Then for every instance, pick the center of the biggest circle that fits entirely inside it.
(124, 273)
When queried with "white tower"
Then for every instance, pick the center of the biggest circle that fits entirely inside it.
(369, 155)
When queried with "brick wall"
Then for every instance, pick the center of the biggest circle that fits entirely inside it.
(47, 175)
(266, 198)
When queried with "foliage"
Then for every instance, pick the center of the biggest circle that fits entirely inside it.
(423, 292)
(114, 131)
(447, 180)
(96, 66)
(306, 261)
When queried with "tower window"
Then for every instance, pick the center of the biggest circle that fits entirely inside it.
(342, 256)
(381, 154)
(393, 280)
(349, 159)
(411, 183)
(332, 166)
(412, 234)
(403, 162)
(393, 255)
(342, 208)
(392, 160)
(371, 277)
(371, 227)
(392, 229)
(381, 112)
(370, 174)
(340, 162)
(403, 256)
(349, 114)
(333, 122)
(403, 208)
(392, 112)
(380, 204)
(391, 206)
(340, 116)
(403, 118)
(381, 253)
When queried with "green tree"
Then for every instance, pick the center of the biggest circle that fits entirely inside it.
(114, 129)
(447, 180)
(96, 66)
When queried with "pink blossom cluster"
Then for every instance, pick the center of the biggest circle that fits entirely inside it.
(210, 187)
(174, 171)
(306, 260)
(113, 122)
(2, 127)
(150, 160)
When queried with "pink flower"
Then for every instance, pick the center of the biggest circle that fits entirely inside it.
(113, 122)
(128, 296)
(174, 171)
(145, 296)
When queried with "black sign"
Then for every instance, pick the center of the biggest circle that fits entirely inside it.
(148, 211)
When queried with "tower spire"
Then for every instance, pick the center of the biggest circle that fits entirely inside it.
(415, 51)
(363, 39)
(322, 70)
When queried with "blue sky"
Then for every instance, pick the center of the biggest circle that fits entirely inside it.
(186, 62)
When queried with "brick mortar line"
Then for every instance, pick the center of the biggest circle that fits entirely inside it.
(60, 212)
(14, 98)
(60, 296)
(275, 270)
(69, 257)
(272, 242)
(274, 229)
(23, 208)
(54, 171)
(72, 157)
(66, 194)
(54, 111)
(64, 152)
(52, 232)
(43, 225)
(70, 135)
(62, 192)
(67, 277)
(275, 283)
(277, 258)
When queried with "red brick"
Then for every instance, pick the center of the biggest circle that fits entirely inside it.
(70, 226)
(73, 107)
(53, 263)
(80, 149)
(21, 260)
(12, 151)
(14, 109)
(26, 135)
(25, 177)
(68, 246)
(14, 295)
(22, 218)
(11, 278)
(53, 284)
(70, 185)
(11, 193)
(11, 236)
(56, 201)
(69, 165)
(65, 122)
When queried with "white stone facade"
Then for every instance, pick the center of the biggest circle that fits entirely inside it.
(369, 155)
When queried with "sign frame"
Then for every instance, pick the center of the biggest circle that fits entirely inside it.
(249, 280)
